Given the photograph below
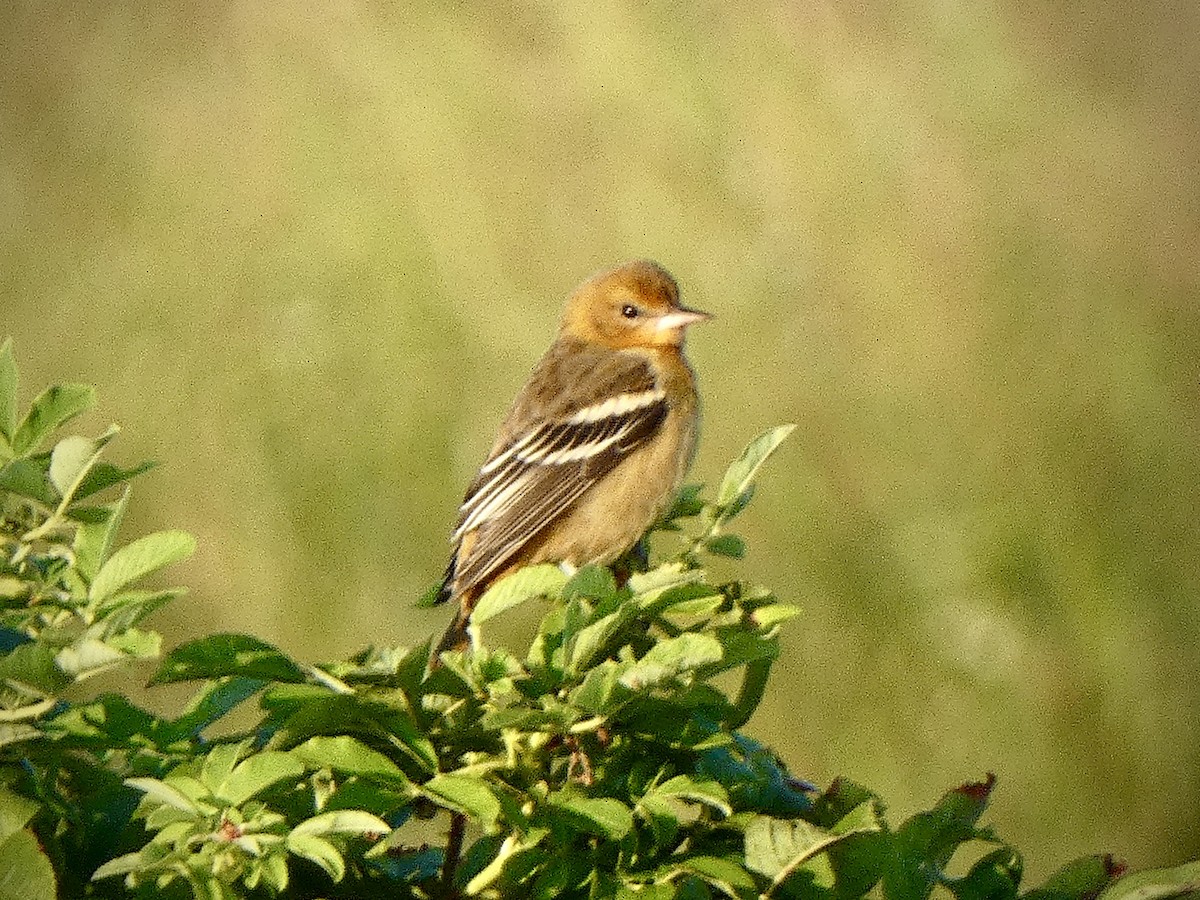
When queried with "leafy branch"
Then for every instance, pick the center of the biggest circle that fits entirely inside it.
(602, 759)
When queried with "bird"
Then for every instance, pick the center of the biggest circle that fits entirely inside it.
(594, 446)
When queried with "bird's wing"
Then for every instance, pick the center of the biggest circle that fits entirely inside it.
(543, 465)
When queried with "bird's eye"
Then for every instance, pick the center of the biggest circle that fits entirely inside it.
(629, 311)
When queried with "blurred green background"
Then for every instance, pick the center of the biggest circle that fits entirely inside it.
(308, 252)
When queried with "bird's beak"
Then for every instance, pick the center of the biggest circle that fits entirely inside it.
(681, 318)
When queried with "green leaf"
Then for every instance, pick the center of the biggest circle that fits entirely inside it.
(740, 474)
(646, 586)
(726, 873)
(26, 478)
(1080, 879)
(996, 876)
(165, 793)
(220, 655)
(15, 812)
(1155, 884)
(696, 790)
(8, 391)
(140, 558)
(767, 617)
(211, 702)
(602, 692)
(670, 658)
(33, 664)
(466, 794)
(18, 732)
(349, 756)
(51, 408)
(926, 841)
(122, 865)
(320, 851)
(343, 821)
(219, 762)
(593, 640)
(118, 617)
(25, 871)
(603, 816)
(308, 710)
(275, 874)
(513, 590)
(595, 583)
(69, 459)
(108, 721)
(776, 848)
(660, 814)
(88, 656)
(750, 694)
(93, 542)
(257, 772)
(493, 860)
(702, 606)
(104, 475)
(726, 545)
(687, 503)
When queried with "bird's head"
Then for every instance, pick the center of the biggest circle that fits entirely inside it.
(633, 305)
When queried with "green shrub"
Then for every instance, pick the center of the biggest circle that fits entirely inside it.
(604, 761)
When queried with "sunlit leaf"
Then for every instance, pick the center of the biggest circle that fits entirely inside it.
(766, 617)
(257, 772)
(220, 655)
(140, 558)
(51, 408)
(647, 585)
(603, 816)
(594, 583)
(343, 821)
(740, 474)
(87, 656)
(349, 756)
(165, 793)
(15, 812)
(25, 871)
(729, 874)
(670, 658)
(515, 589)
(122, 865)
(69, 459)
(696, 790)
(465, 794)
(318, 850)
(93, 542)
(219, 762)
(593, 639)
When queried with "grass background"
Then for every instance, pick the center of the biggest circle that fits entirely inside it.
(308, 252)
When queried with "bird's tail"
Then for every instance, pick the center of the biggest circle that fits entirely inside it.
(456, 636)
